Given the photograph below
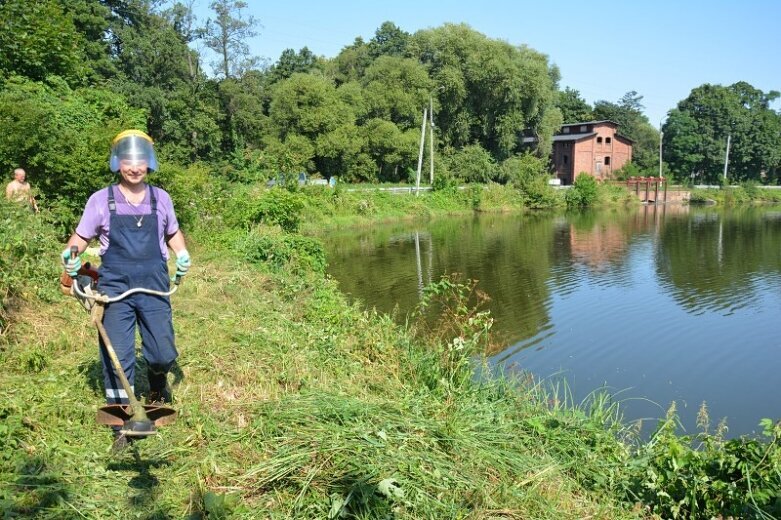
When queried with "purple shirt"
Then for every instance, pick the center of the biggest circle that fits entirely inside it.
(95, 220)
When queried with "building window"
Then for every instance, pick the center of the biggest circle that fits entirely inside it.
(565, 130)
(599, 167)
(564, 159)
(607, 161)
(607, 140)
(599, 140)
(583, 128)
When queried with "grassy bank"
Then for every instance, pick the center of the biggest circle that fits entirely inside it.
(292, 404)
(736, 195)
(295, 404)
(328, 209)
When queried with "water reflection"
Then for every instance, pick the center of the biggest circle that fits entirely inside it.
(719, 261)
(665, 302)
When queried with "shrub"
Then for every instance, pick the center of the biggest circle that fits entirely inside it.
(473, 164)
(198, 196)
(628, 170)
(583, 192)
(444, 182)
(523, 169)
(475, 194)
(62, 137)
(280, 250)
(28, 256)
(705, 476)
(276, 206)
(452, 318)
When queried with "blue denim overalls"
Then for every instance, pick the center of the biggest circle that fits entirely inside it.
(133, 259)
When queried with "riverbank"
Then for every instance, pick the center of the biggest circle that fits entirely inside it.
(295, 404)
(325, 210)
(736, 195)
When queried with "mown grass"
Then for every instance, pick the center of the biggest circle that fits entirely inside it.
(293, 404)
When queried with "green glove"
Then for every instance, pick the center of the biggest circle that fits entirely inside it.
(182, 263)
(71, 265)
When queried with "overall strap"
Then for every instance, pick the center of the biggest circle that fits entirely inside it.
(112, 205)
(152, 199)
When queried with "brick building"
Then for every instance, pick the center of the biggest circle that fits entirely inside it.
(594, 147)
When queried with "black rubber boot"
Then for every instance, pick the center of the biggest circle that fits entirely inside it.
(159, 389)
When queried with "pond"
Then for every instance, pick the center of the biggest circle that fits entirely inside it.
(655, 305)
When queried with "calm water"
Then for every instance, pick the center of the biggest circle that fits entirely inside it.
(657, 305)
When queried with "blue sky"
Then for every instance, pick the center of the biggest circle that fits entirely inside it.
(662, 49)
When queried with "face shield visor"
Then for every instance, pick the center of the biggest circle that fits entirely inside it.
(132, 147)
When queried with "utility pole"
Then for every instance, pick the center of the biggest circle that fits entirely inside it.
(726, 157)
(420, 153)
(661, 137)
(431, 135)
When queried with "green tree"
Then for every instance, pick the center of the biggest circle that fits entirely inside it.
(493, 91)
(291, 62)
(351, 62)
(227, 36)
(392, 150)
(307, 105)
(632, 123)
(397, 90)
(157, 71)
(696, 131)
(574, 109)
(389, 40)
(39, 39)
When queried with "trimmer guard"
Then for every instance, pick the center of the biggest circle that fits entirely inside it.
(121, 415)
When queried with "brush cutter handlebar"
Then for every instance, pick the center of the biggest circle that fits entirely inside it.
(102, 298)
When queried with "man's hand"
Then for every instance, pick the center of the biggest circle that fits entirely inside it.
(182, 262)
(72, 265)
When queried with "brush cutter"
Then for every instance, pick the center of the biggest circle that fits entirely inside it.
(135, 419)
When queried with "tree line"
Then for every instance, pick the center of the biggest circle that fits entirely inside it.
(75, 72)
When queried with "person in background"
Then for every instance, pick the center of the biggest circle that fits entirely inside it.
(135, 224)
(19, 190)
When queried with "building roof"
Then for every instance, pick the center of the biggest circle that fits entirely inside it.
(572, 137)
(591, 123)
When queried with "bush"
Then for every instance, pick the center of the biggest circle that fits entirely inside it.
(28, 256)
(276, 206)
(583, 192)
(705, 476)
(473, 164)
(280, 250)
(628, 170)
(62, 137)
(198, 196)
(523, 169)
(538, 194)
(444, 183)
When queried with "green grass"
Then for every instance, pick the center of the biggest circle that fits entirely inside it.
(744, 194)
(293, 404)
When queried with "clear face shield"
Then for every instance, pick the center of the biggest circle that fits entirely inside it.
(133, 150)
